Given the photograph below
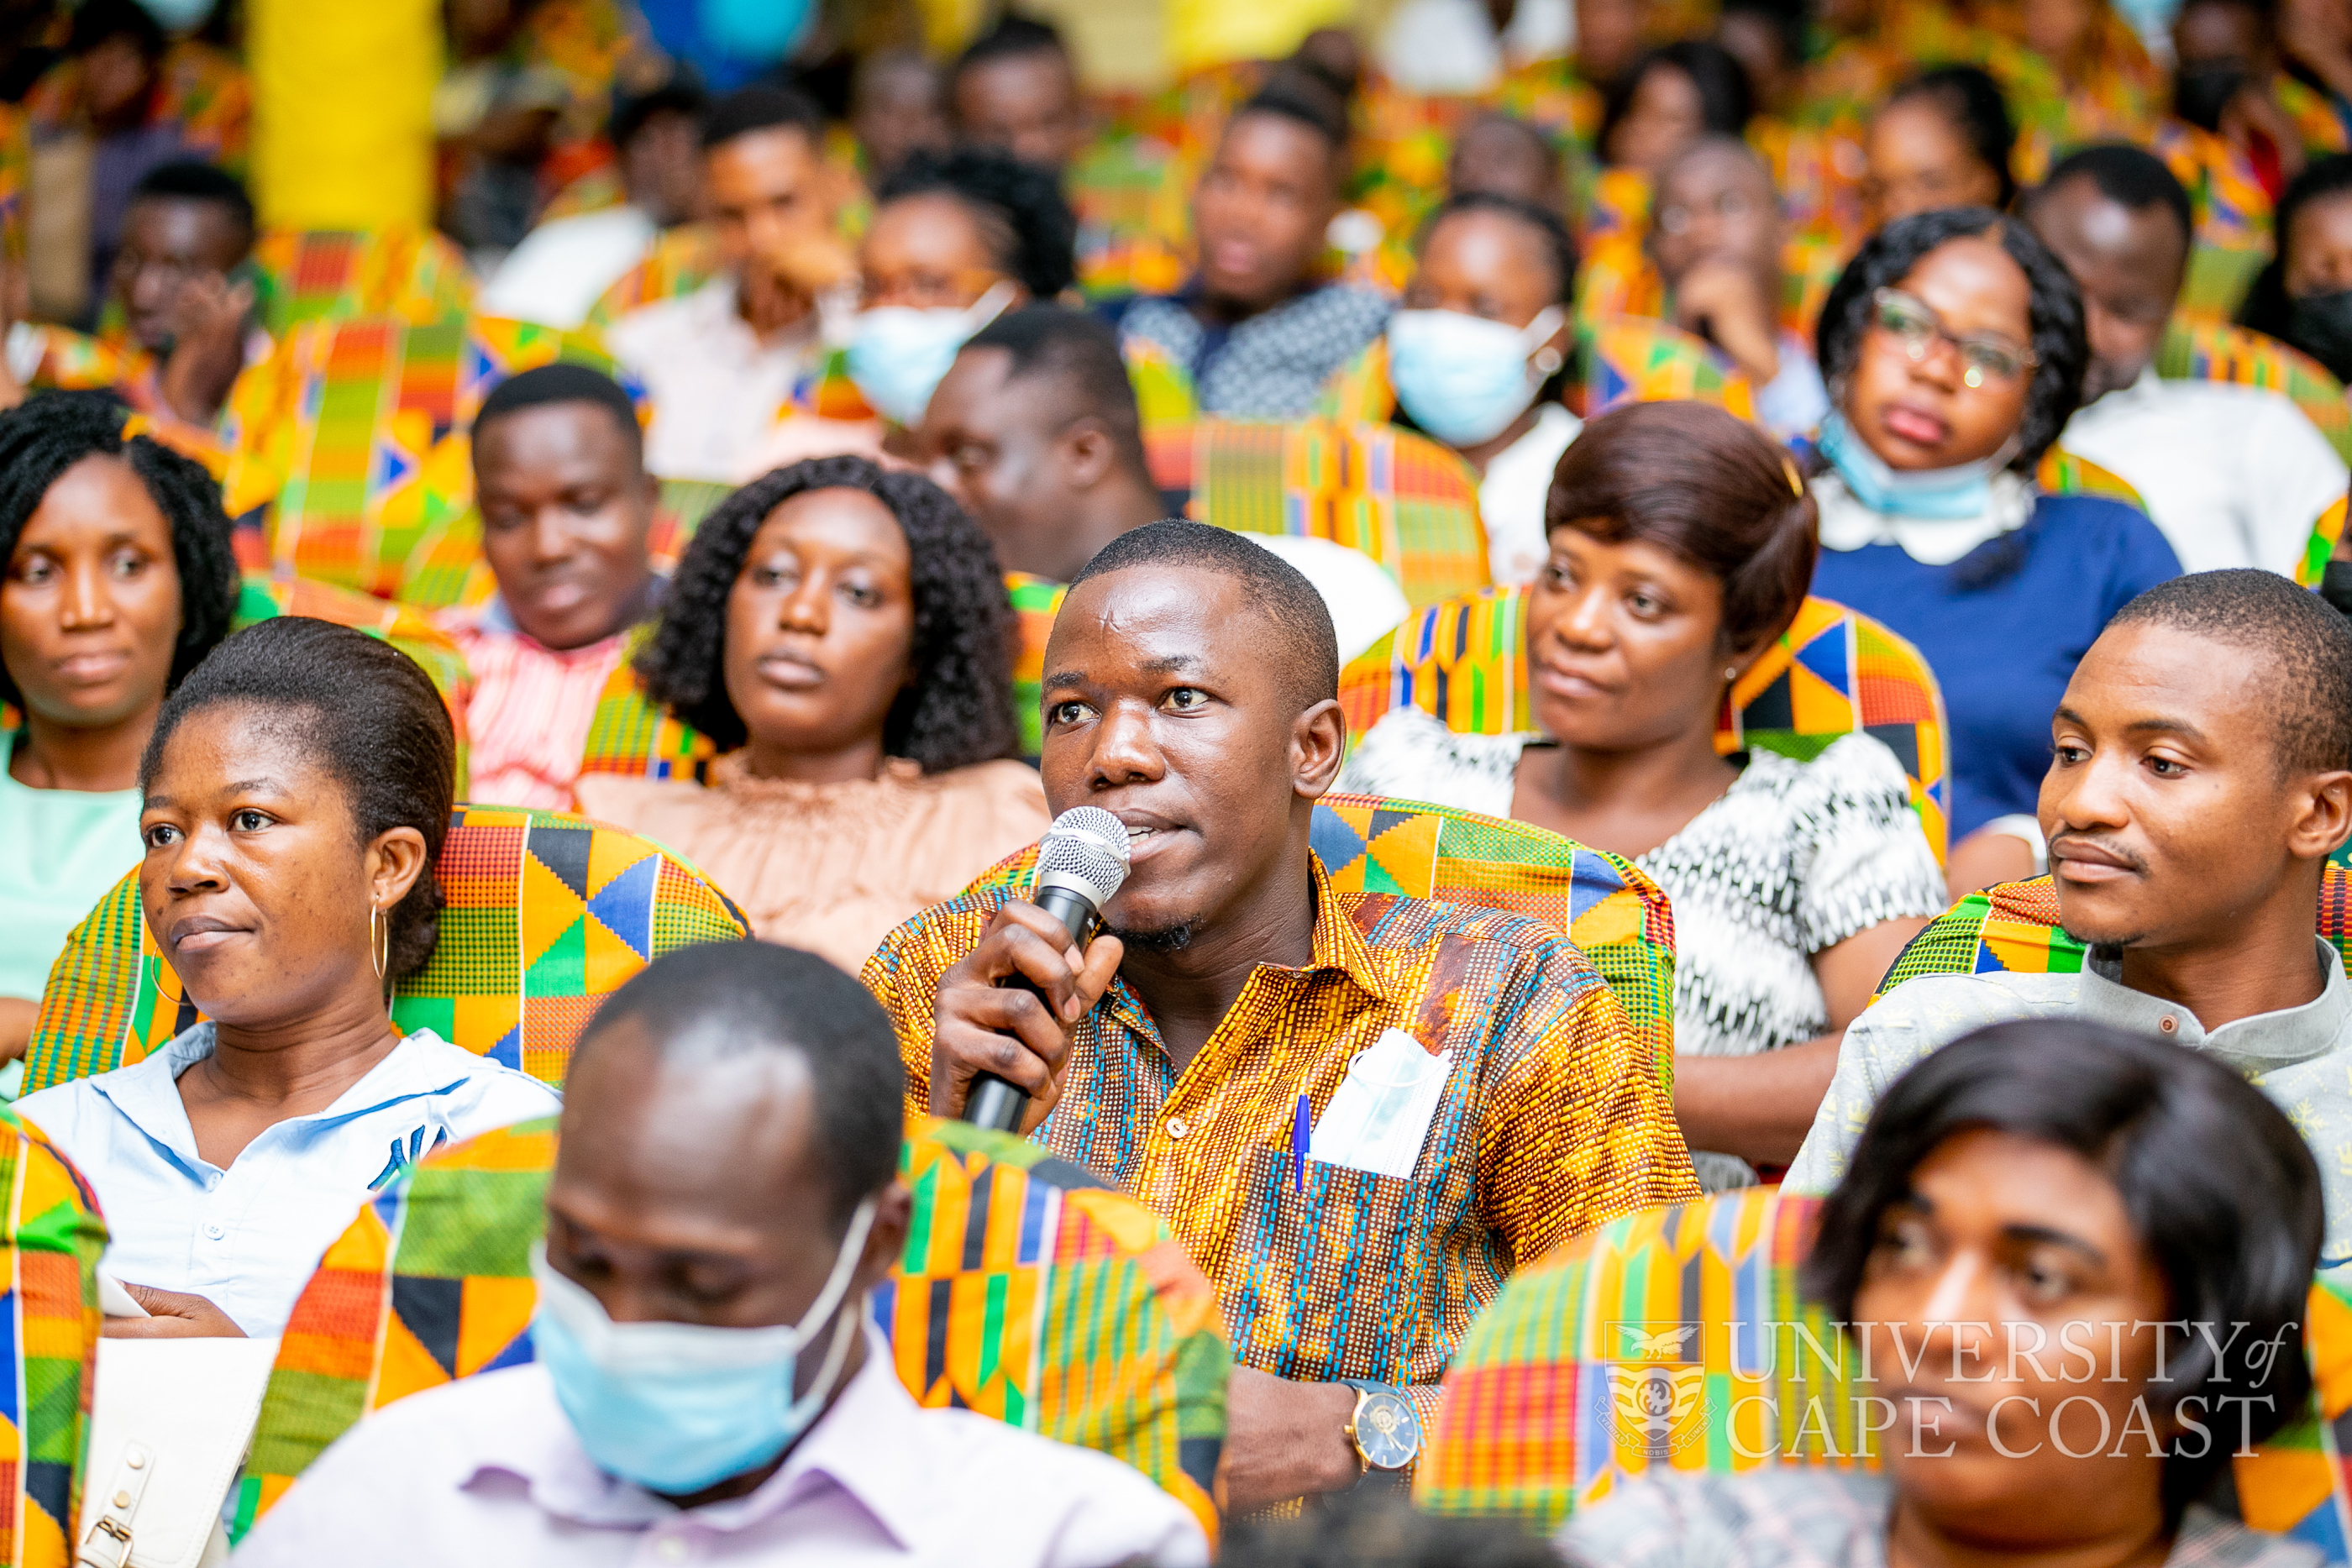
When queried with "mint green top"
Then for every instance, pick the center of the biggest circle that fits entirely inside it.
(60, 850)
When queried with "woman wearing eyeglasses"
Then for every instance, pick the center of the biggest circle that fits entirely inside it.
(1954, 352)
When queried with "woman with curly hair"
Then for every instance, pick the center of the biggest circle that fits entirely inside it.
(842, 632)
(1954, 352)
(956, 241)
(119, 580)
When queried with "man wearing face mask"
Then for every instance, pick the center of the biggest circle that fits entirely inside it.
(2233, 475)
(1717, 238)
(1475, 355)
(707, 1387)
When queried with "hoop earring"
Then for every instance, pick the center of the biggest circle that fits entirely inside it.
(379, 945)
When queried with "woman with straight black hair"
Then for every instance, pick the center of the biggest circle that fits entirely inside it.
(2084, 1257)
(1954, 350)
(1943, 139)
(295, 796)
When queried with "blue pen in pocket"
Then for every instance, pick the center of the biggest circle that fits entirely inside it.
(1302, 1133)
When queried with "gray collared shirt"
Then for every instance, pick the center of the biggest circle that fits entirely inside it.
(2297, 1056)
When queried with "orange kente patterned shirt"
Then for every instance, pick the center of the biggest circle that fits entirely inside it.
(1552, 1121)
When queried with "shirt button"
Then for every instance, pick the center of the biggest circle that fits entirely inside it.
(1176, 1127)
(2168, 1023)
(215, 1231)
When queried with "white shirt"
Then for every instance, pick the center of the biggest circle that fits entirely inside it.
(717, 389)
(2297, 1056)
(1794, 401)
(2233, 475)
(561, 269)
(249, 1238)
(1511, 496)
(1364, 600)
(488, 1470)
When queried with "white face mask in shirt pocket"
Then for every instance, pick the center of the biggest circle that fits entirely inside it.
(1379, 1117)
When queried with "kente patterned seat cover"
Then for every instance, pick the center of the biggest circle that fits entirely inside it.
(1608, 906)
(547, 915)
(50, 1239)
(2219, 351)
(1676, 1340)
(1029, 1292)
(1833, 671)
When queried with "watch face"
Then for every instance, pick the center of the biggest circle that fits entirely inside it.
(1387, 1430)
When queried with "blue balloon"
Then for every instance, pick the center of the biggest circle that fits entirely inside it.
(760, 31)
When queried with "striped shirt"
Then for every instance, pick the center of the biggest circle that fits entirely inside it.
(1551, 1119)
(527, 722)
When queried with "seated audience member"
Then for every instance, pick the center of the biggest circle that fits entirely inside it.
(2234, 476)
(560, 481)
(1035, 434)
(1502, 155)
(898, 105)
(2304, 296)
(297, 790)
(722, 361)
(1191, 690)
(1767, 38)
(955, 240)
(1956, 340)
(1014, 88)
(1669, 99)
(2231, 79)
(2037, 1184)
(119, 580)
(725, 1197)
(842, 634)
(1255, 330)
(1717, 234)
(1478, 354)
(1944, 138)
(2200, 773)
(1680, 548)
(562, 266)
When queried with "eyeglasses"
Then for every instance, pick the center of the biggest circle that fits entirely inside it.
(1913, 322)
(1677, 217)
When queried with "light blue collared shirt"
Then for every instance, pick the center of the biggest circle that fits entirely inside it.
(249, 1238)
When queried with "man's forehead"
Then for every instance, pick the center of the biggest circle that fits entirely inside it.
(1150, 618)
(2148, 671)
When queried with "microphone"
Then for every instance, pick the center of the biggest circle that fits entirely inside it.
(1081, 864)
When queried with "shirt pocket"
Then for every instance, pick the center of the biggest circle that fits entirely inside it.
(1338, 1261)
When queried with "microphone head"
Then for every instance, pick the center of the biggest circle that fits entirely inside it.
(1086, 846)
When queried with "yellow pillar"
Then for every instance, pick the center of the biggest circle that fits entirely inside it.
(1213, 32)
(343, 120)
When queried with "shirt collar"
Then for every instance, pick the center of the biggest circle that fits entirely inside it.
(860, 1444)
(1848, 525)
(2254, 1046)
(147, 1093)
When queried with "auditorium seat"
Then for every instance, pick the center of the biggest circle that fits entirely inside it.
(1029, 1291)
(546, 915)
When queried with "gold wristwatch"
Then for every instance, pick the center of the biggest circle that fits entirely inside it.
(1384, 1428)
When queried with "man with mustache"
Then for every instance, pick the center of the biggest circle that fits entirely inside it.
(2200, 774)
(1357, 1112)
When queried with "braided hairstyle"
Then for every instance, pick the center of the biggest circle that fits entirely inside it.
(2061, 351)
(957, 707)
(1018, 206)
(43, 437)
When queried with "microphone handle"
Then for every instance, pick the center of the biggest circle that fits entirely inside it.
(993, 1103)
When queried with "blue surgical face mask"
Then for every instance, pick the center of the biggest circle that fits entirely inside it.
(1943, 495)
(899, 355)
(179, 16)
(1463, 377)
(679, 1408)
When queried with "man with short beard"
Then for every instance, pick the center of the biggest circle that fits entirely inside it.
(1206, 1050)
(2200, 774)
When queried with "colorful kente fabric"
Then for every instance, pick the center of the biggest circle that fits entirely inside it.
(1618, 279)
(329, 275)
(682, 260)
(50, 1239)
(2233, 210)
(15, 171)
(1555, 1116)
(2220, 351)
(1036, 602)
(1028, 1291)
(351, 434)
(546, 915)
(2315, 117)
(629, 735)
(1636, 359)
(1678, 1341)
(2325, 537)
(1132, 195)
(1402, 500)
(1833, 671)
(2061, 473)
(2013, 928)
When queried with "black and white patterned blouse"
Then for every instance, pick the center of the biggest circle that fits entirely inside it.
(1792, 860)
(1274, 364)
